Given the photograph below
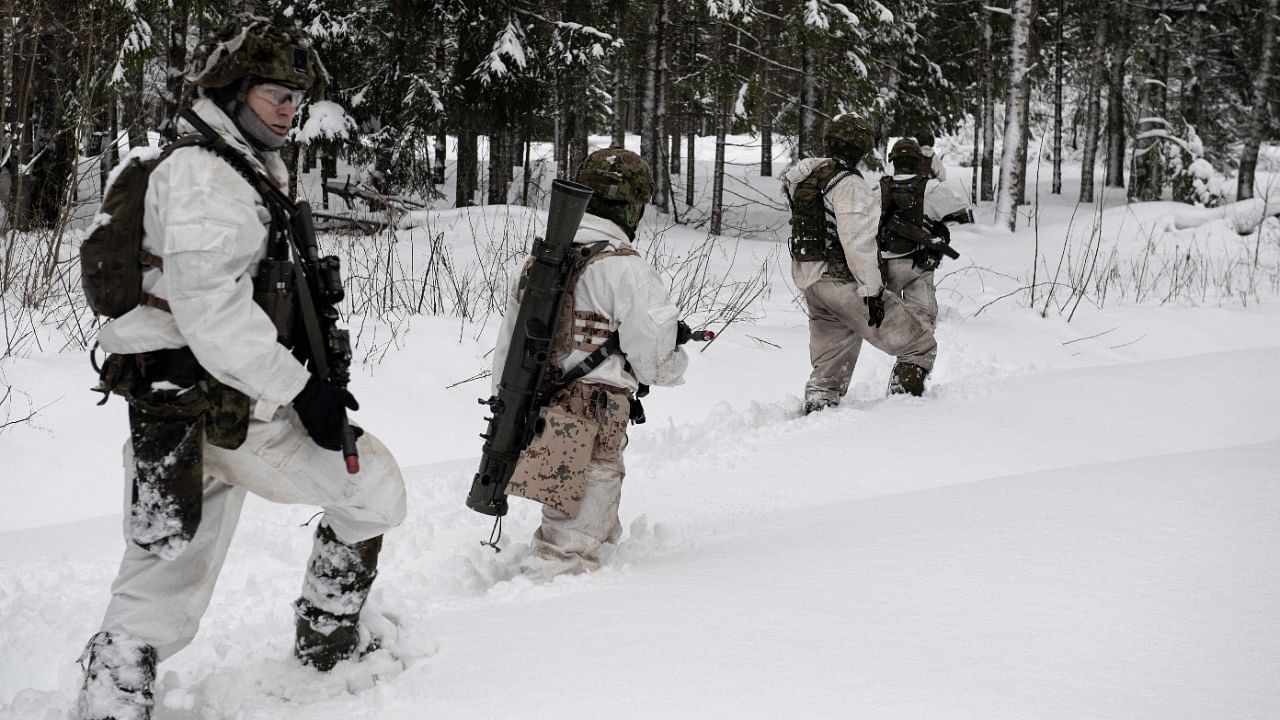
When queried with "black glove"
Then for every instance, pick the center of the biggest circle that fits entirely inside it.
(940, 230)
(684, 333)
(320, 406)
(875, 310)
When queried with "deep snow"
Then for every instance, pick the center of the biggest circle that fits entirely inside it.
(1081, 519)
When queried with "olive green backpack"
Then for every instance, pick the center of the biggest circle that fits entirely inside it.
(112, 258)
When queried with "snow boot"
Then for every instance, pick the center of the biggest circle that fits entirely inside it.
(337, 584)
(814, 404)
(907, 378)
(118, 675)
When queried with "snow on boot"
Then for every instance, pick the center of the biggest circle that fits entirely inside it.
(336, 585)
(118, 674)
(907, 378)
(813, 406)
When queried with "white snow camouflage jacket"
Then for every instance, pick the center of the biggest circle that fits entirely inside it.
(857, 209)
(210, 226)
(628, 291)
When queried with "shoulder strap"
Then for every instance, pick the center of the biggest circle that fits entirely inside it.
(611, 345)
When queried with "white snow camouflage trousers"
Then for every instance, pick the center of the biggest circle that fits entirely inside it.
(915, 287)
(837, 327)
(160, 602)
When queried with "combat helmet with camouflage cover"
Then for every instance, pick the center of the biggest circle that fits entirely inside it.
(253, 47)
(905, 149)
(617, 175)
(852, 130)
(622, 183)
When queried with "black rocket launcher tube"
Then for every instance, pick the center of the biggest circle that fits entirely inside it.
(515, 407)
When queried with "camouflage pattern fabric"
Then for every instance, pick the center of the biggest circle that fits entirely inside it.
(852, 130)
(617, 175)
(251, 46)
(584, 422)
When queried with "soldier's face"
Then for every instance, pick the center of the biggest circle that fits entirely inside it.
(275, 105)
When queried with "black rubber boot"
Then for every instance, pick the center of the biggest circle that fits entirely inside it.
(907, 378)
(336, 586)
(118, 676)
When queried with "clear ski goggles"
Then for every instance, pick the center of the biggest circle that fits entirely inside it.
(278, 94)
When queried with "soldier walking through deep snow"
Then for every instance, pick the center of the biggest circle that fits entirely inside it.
(272, 428)
(835, 264)
(912, 206)
(614, 297)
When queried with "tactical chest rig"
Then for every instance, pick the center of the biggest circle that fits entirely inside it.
(813, 225)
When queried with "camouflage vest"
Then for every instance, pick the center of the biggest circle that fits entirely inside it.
(583, 330)
(905, 200)
(813, 225)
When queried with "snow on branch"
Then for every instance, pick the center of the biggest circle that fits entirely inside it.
(509, 45)
(138, 40)
(814, 17)
(730, 9)
(326, 120)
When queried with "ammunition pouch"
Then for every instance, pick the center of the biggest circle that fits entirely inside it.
(807, 249)
(175, 406)
(582, 421)
(274, 291)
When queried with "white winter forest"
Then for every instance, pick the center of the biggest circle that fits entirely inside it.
(1079, 519)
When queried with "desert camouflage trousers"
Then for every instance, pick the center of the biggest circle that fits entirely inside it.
(837, 327)
(565, 544)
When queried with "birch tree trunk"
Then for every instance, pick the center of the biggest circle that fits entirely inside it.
(1093, 113)
(1258, 119)
(1012, 165)
(809, 140)
(988, 110)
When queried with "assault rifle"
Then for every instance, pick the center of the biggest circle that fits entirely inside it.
(317, 281)
(523, 390)
(935, 240)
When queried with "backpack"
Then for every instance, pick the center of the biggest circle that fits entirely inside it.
(902, 224)
(112, 258)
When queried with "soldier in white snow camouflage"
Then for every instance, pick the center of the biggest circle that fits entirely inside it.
(835, 264)
(574, 466)
(194, 454)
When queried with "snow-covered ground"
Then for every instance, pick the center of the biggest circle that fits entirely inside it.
(1080, 520)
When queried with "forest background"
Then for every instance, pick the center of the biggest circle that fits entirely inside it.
(1165, 99)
